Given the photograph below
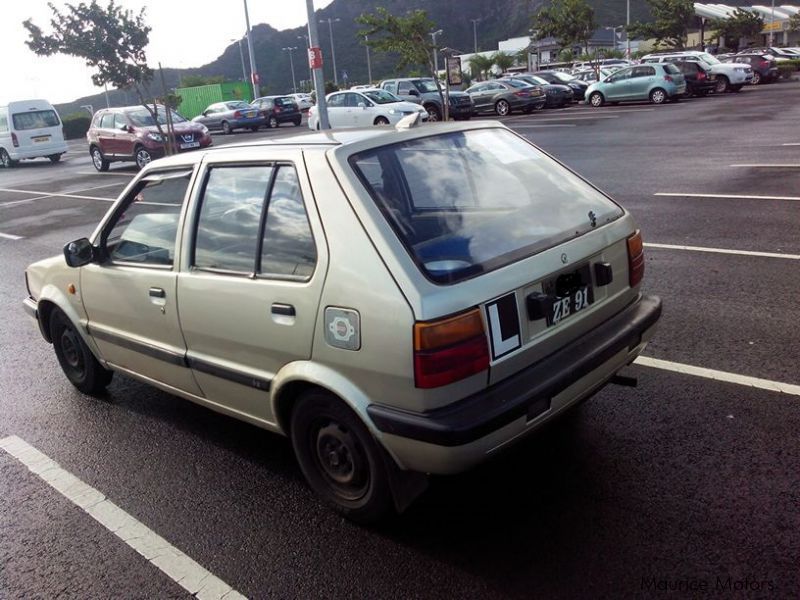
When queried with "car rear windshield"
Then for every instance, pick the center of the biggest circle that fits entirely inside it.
(671, 69)
(36, 119)
(288, 102)
(469, 202)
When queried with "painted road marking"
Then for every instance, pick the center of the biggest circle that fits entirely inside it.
(576, 118)
(724, 251)
(726, 196)
(97, 173)
(8, 236)
(791, 144)
(542, 126)
(763, 384)
(776, 166)
(171, 561)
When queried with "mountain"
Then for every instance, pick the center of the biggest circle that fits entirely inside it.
(500, 19)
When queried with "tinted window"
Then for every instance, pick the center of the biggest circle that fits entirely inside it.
(473, 201)
(287, 102)
(119, 121)
(230, 217)
(669, 68)
(143, 118)
(336, 100)
(145, 231)
(288, 249)
(36, 119)
(353, 100)
(3, 122)
(107, 121)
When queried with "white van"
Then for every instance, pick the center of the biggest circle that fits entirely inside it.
(30, 129)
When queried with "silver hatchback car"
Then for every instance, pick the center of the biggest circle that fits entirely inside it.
(398, 302)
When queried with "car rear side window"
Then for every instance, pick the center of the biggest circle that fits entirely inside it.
(35, 119)
(230, 217)
(670, 68)
(3, 122)
(468, 202)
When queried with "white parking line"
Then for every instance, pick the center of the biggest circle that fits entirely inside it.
(776, 166)
(8, 236)
(724, 251)
(763, 384)
(172, 562)
(791, 144)
(725, 196)
(107, 174)
(543, 126)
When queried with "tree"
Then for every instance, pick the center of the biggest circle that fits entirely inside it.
(480, 65)
(670, 25)
(111, 41)
(794, 22)
(198, 80)
(741, 24)
(407, 36)
(503, 60)
(570, 22)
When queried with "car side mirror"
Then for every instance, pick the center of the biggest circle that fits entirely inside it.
(362, 105)
(79, 253)
(413, 93)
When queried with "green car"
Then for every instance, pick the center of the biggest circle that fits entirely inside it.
(656, 82)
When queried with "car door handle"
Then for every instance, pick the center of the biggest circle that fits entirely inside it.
(157, 293)
(286, 310)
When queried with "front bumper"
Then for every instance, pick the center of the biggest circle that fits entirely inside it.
(32, 309)
(455, 437)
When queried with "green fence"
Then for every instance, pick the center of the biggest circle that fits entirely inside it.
(194, 100)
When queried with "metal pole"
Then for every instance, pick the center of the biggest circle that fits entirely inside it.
(369, 64)
(475, 33)
(433, 35)
(253, 72)
(310, 74)
(241, 55)
(627, 35)
(105, 87)
(772, 25)
(291, 62)
(319, 79)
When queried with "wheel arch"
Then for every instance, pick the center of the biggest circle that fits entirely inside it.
(52, 298)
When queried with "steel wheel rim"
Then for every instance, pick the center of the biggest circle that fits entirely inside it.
(71, 352)
(658, 97)
(340, 459)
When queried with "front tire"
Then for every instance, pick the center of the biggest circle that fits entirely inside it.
(434, 114)
(273, 122)
(658, 96)
(99, 162)
(298, 121)
(722, 84)
(78, 363)
(339, 458)
(596, 99)
(381, 121)
(502, 108)
(142, 157)
(756, 77)
(54, 158)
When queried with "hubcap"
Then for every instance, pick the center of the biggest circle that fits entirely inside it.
(756, 78)
(502, 108)
(97, 159)
(433, 116)
(342, 461)
(4, 158)
(273, 122)
(142, 158)
(658, 97)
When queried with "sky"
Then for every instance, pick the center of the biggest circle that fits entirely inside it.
(185, 33)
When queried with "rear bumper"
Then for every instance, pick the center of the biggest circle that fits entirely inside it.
(455, 437)
(37, 151)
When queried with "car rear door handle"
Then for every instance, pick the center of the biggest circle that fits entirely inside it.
(157, 293)
(286, 310)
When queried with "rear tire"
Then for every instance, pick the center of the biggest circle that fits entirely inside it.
(502, 108)
(339, 458)
(254, 128)
(658, 96)
(99, 162)
(78, 363)
(54, 158)
(298, 121)
(226, 128)
(5, 159)
(272, 122)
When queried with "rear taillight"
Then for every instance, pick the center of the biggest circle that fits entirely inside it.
(14, 140)
(635, 259)
(701, 75)
(667, 77)
(450, 349)
(764, 64)
(237, 115)
(522, 93)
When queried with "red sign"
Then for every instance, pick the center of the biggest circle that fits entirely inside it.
(315, 58)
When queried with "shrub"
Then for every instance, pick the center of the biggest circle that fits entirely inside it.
(76, 125)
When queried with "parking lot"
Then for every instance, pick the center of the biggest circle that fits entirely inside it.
(688, 482)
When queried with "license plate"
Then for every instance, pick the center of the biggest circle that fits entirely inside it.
(41, 138)
(190, 145)
(250, 115)
(570, 293)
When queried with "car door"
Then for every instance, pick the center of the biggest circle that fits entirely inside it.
(337, 111)
(107, 135)
(361, 113)
(130, 296)
(479, 95)
(615, 87)
(252, 280)
(124, 138)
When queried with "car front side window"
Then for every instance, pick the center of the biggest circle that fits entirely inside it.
(144, 230)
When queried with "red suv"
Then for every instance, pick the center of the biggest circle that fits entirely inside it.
(129, 133)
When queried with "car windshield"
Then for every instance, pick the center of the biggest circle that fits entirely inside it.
(381, 96)
(709, 59)
(469, 202)
(143, 118)
(426, 85)
(562, 76)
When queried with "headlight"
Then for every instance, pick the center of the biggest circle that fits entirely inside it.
(204, 129)
(392, 111)
(156, 137)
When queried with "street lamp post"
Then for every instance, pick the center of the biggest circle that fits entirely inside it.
(433, 35)
(241, 55)
(310, 74)
(475, 32)
(772, 26)
(253, 71)
(628, 35)
(369, 64)
(291, 49)
(330, 22)
(319, 79)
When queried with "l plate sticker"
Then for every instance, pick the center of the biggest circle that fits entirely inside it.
(342, 328)
(503, 325)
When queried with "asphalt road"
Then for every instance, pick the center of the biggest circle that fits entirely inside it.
(684, 483)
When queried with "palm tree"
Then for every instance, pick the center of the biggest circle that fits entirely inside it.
(503, 60)
(480, 65)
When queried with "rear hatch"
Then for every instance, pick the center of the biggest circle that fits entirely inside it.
(493, 224)
(37, 128)
(285, 106)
